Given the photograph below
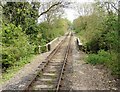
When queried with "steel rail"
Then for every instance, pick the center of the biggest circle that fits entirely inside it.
(63, 66)
(49, 57)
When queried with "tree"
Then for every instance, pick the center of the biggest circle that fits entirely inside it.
(100, 36)
(51, 9)
(84, 9)
(15, 45)
(21, 32)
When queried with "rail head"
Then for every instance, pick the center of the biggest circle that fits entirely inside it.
(64, 63)
(49, 57)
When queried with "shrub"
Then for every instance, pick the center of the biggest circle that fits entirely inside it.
(109, 59)
(15, 45)
(101, 58)
(43, 49)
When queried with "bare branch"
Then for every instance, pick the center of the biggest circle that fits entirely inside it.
(58, 3)
(113, 5)
(1, 5)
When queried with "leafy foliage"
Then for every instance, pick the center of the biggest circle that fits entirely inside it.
(15, 45)
(18, 12)
(99, 34)
(101, 58)
(21, 34)
(50, 31)
(105, 58)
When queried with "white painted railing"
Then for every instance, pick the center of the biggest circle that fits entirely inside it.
(49, 46)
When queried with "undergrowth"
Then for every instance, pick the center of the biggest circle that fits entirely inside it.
(109, 59)
(11, 71)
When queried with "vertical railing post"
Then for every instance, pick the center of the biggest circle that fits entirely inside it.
(39, 49)
(49, 47)
(46, 47)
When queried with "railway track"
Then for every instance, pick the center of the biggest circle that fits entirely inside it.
(50, 73)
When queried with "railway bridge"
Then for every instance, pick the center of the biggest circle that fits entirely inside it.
(61, 68)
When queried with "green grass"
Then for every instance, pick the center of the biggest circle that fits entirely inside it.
(11, 71)
(101, 58)
(109, 59)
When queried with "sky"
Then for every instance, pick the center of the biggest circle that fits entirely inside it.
(71, 14)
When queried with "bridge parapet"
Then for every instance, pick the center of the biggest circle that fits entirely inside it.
(50, 46)
(79, 44)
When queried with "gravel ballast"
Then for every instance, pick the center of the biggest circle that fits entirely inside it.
(78, 75)
(19, 80)
(88, 77)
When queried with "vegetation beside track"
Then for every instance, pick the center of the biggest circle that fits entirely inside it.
(99, 32)
(22, 34)
(11, 71)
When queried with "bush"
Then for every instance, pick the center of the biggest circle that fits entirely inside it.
(101, 58)
(109, 59)
(100, 36)
(15, 45)
(43, 49)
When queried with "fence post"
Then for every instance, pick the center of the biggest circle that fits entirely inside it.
(79, 44)
(39, 49)
(49, 47)
(46, 47)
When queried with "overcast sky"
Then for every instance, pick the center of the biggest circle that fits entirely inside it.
(71, 14)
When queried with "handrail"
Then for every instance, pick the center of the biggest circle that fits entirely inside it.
(46, 45)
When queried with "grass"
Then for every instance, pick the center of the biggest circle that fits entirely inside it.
(106, 58)
(11, 71)
(101, 58)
